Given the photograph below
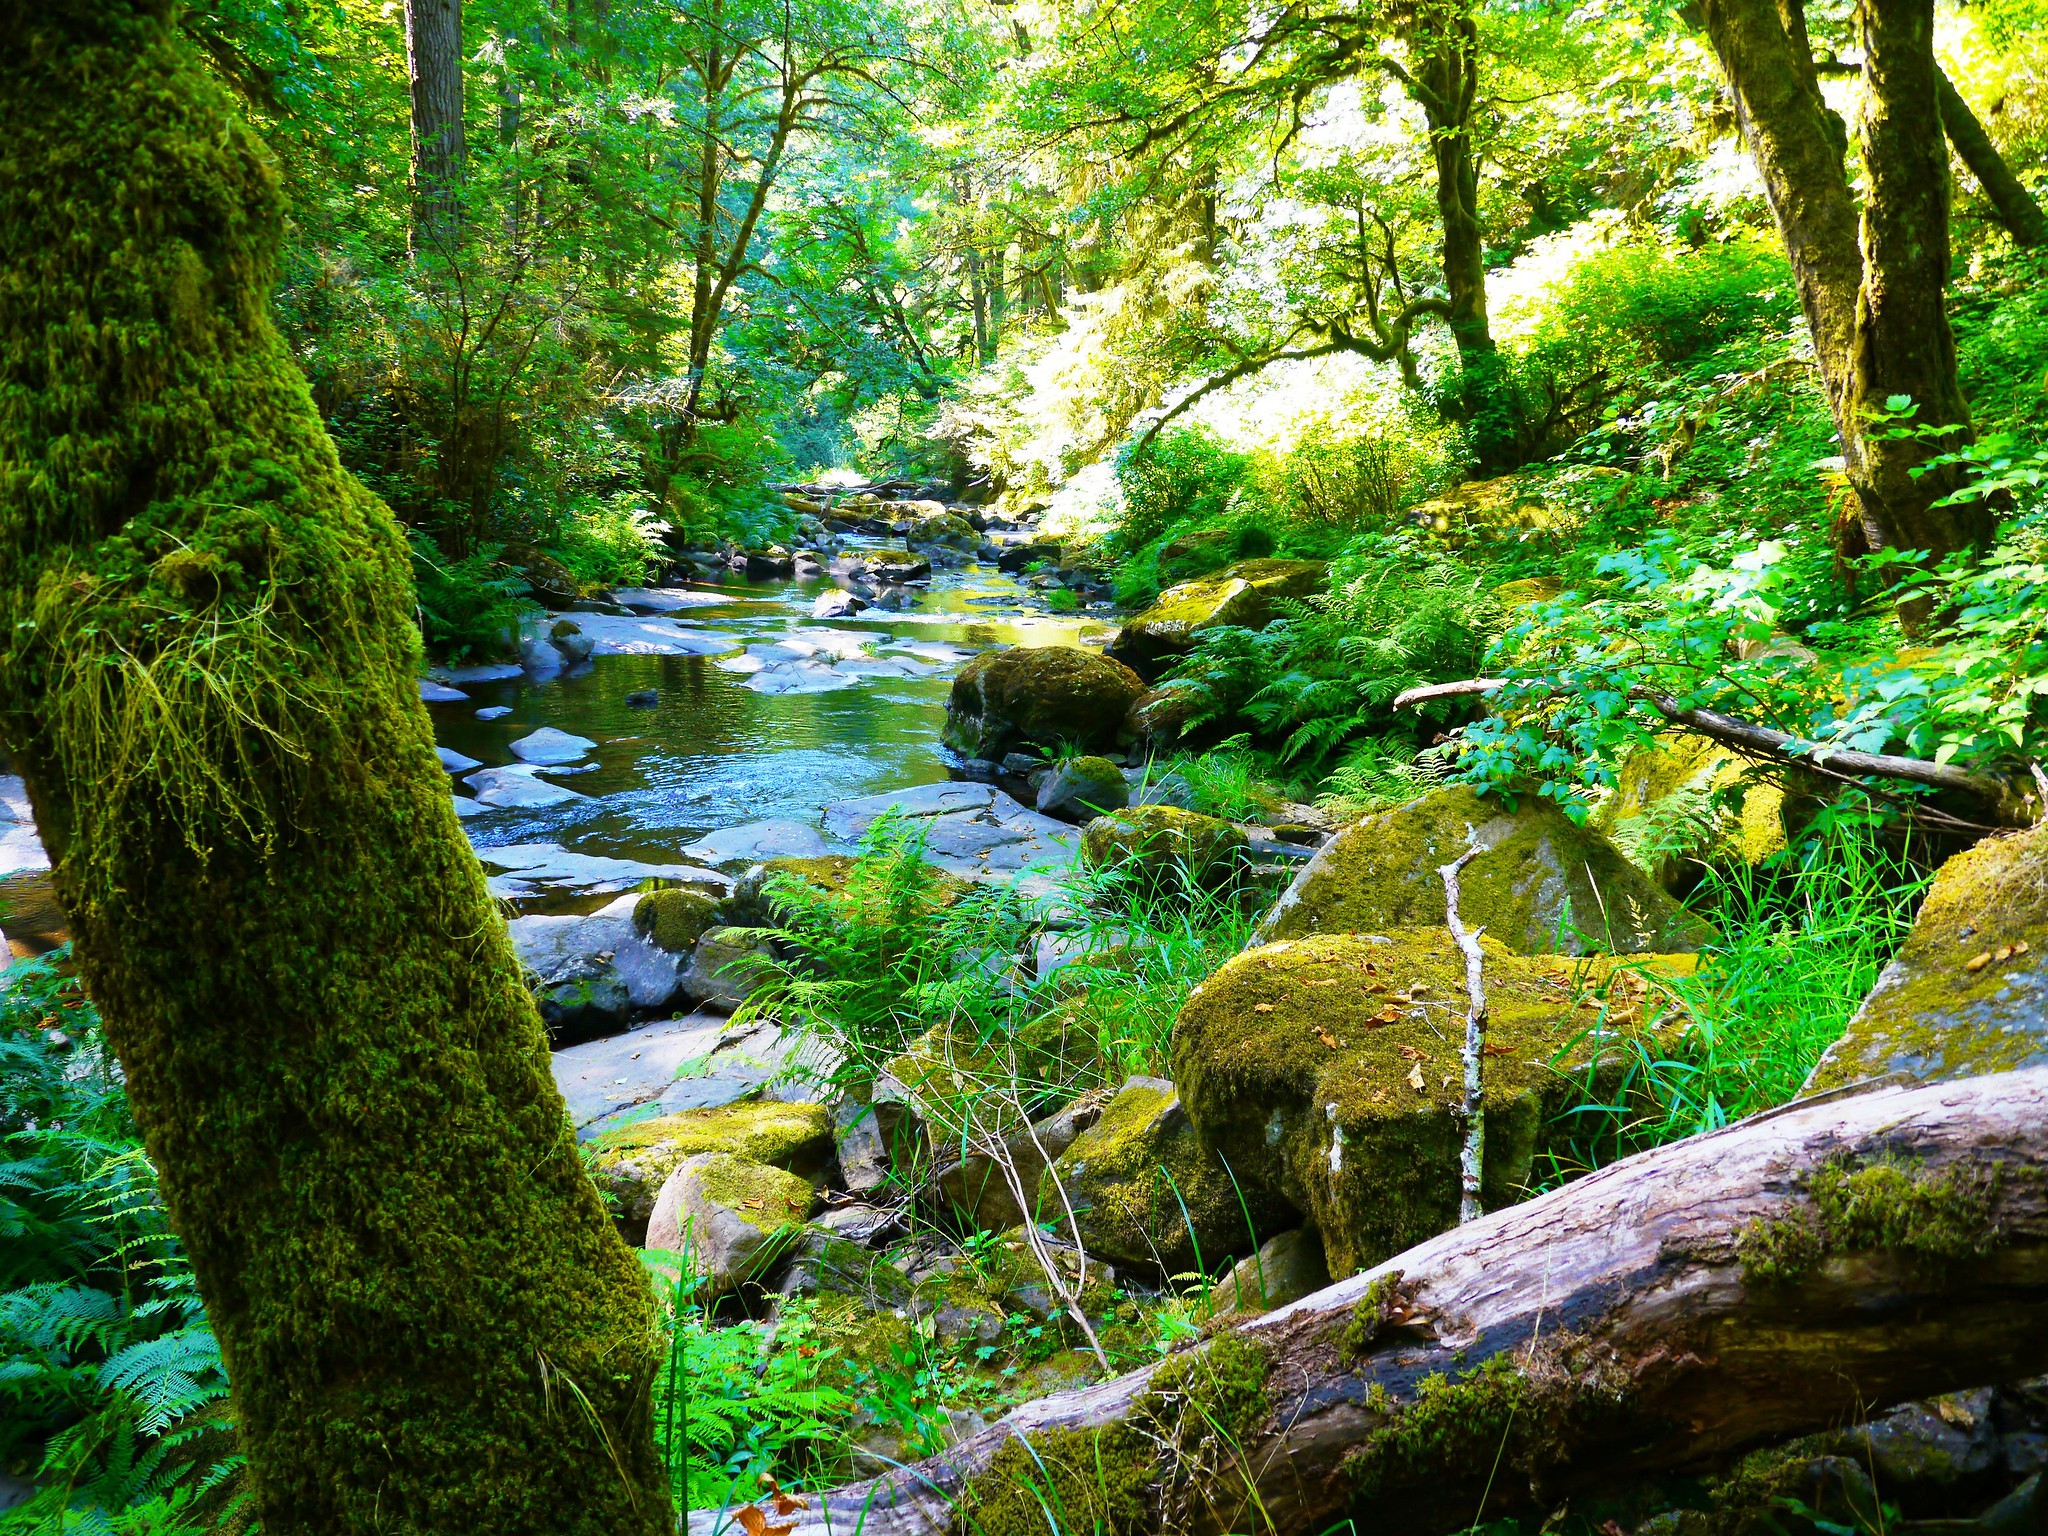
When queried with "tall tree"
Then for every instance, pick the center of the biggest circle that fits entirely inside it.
(1874, 299)
(207, 678)
(433, 67)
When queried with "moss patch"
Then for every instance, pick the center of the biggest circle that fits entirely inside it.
(1327, 1071)
(1968, 992)
(633, 1161)
(1242, 594)
(1889, 1207)
(1667, 794)
(1543, 885)
(1139, 1475)
(675, 919)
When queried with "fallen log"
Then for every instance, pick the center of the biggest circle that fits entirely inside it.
(1797, 1271)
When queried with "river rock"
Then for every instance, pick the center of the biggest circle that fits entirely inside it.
(632, 1162)
(1163, 844)
(882, 567)
(1326, 1071)
(517, 787)
(1168, 789)
(593, 972)
(1159, 717)
(599, 1079)
(1242, 595)
(723, 968)
(1544, 884)
(440, 693)
(494, 712)
(455, 762)
(674, 918)
(1083, 787)
(1044, 696)
(731, 1215)
(643, 698)
(552, 747)
(741, 847)
(1286, 1268)
(1143, 1189)
(974, 1189)
(1968, 991)
(837, 604)
(569, 639)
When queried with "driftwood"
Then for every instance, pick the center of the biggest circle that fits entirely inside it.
(1630, 1326)
(1763, 741)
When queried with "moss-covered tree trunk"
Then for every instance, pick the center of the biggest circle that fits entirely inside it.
(206, 675)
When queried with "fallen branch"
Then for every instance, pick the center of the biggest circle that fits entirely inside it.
(1473, 1153)
(1658, 1315)
(1762, 741)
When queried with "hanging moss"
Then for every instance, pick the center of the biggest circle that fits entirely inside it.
(1138, 1475)
(1935, 1218)
(208, 678)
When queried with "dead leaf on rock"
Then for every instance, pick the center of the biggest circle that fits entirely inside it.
(1328, 1039)
(1977, 962)
(1415, 1080)
(754, 1521)
(1410, 1053)
(1262, 1007)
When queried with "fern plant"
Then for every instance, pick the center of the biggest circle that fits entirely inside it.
(113, 1396)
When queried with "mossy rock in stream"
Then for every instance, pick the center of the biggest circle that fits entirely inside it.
(674, 918)
(1544, 884)
(1163, 844)
(1327, 1072)
(632, 1162)
(1045, 696)
(1968, 993)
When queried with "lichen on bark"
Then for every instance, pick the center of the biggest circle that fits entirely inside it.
(207, 678)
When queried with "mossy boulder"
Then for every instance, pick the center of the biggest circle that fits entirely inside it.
(1543, 885)
(1196, 554)
(632, 1162)
(830, 875)
(1159, 717)
(724, 967)
(1042, 695)
(974, 1188)
(1144, 1190)
(674, 919)
(1968, 992)
(1082, 787)
(1327, 1073)
(734, 1217)
(1666, 813)
(1483, 506)
(1240, 595)
(1163, 842)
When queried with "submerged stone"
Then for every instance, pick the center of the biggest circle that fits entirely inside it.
(1327, 1072)
(1968, 992)
(1543, 885)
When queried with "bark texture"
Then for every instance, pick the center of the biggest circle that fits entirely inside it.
(1799, 1270)
(207, 677)
(433, 67)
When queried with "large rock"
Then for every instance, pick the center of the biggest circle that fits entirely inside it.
(1163, 845)
(550, 746)
(735, 848)
(735, 1218)
(1083, 787)
(1664, 813)
(1968, 992)
(593, 973)
(674, 918)
(1045, 696)
(632, 1162)
(1543, 885)
(829, 875)
(724, 968)
(1327, 1072)
(881, 567)
(1241, 595)
(1143, 1189)
(518, 787)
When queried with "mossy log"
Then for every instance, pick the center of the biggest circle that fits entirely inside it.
(208, 679)
(1801, 1269)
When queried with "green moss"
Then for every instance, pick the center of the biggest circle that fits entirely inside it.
(675, 919)
(1673, 784)
(1298, 1062)
(1163, 842)
(1043, 695)
(632, 1161)
(1134, 1476)
(1368, 1318)
(1931, 1014)
(1449, 1427)
(1544, 885)
(1936, 1218)
(208, 677)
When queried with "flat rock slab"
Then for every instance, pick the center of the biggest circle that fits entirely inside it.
(482, 672)
(743, 1065)
(530, 868)
(550, 746)
(602, 1077)
(455, 762)
(666, 599)
(517, 786)
(613, 635)
(849, 820)
(758, 841)
(441, 693)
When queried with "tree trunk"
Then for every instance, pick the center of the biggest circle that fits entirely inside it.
(1902, 345)
(433, 66)
(207, 679)
(1873, 305)
(2014, 204)
(1802, 1269)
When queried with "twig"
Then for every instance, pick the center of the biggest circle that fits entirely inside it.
(1475, 1038)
